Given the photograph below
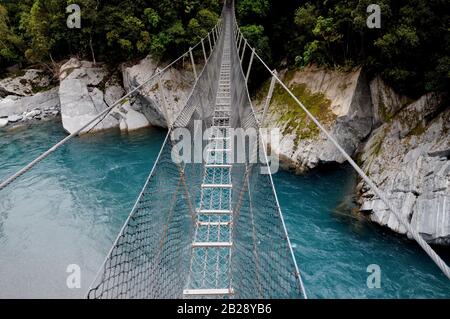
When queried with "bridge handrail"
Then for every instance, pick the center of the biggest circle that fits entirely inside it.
(291, 250)
(166, 140)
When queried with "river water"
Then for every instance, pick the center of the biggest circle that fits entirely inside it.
(69, 209)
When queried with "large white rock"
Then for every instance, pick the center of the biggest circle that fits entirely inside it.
(130, 119)
(386, 102)
(406, 153)
(44, 101)
(349, 118)
(32, 114)
(134, 75)
(113, 92)
(92, 74)
(15, 118)
(100, 105)
(338, 87)
(3, 122)
(408, 159)
(431, 216)
(80, 100)
(23, 85)
(176, 84)
(123, 125)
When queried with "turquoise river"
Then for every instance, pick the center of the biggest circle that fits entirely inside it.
(69, 209)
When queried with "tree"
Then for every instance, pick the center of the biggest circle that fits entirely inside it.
(152, 17)
(252, 11)
(126, 33)
(85, 37)
(37, 27)
(45, 29)
(11, 44)
(409, 50)
(199, 26)
(255, 35)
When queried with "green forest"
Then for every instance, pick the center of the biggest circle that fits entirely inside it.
(411, 50)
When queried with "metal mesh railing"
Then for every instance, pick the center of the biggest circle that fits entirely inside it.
(150, 258)
(155, 255)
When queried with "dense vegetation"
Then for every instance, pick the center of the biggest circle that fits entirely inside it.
(411, 50)
(36, 31)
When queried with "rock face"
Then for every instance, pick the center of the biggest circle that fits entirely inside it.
(130, 119)
(19, 101)
(385, 101)
(3, 122)
(402, 145)
(342, 103)
(81, 98)
(86, 90)
(42, 105)
(26, 84)
(176, 87)
(44, 101)
(408, 158)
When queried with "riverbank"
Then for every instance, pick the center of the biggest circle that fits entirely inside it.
(402, 144)
(79, 90)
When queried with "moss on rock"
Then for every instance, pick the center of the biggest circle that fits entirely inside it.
(291, 117)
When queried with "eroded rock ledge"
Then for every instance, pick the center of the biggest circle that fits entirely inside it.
(341, 102)
(403, 145)
(407, 156)
(27, 97)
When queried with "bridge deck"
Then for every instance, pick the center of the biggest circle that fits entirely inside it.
(211, 249)
(213, 230)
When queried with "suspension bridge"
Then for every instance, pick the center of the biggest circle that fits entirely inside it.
(212, 229)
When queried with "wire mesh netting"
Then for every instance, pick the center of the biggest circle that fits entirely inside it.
(212, 228)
